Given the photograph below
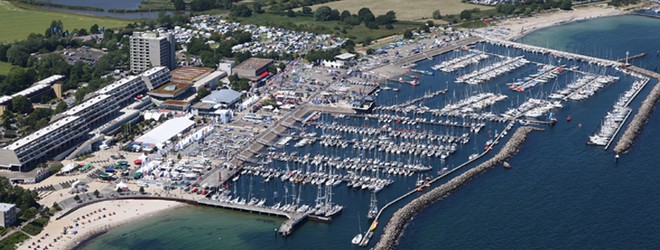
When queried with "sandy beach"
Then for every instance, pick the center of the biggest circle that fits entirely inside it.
(94, 219)
(521, 26)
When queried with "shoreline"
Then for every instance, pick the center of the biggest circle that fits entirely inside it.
(94, 220)
(520, 27)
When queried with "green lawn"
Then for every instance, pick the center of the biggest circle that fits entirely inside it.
(16, 23)
(360, 32)
(5, 67)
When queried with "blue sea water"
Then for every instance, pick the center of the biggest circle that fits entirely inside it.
(560, 193)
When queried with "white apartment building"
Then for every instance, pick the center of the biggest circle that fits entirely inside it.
(24, 154)
(152, 49)
(156, 77)
(123, 89)
(94, 110)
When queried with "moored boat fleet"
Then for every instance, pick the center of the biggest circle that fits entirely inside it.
(543, 75)
(460, 62)
(615, 118)
(496, 69)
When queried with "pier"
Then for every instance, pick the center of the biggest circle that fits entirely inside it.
(526, 47)
(293, 218)
(626, 59)
(401, 217)
(437, 51)
(635, 127)
(369, 233)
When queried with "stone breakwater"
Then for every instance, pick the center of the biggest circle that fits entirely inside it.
(635, 127)
(401, 217)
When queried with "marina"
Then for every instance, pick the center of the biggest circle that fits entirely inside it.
(395, 143)
(369, 172)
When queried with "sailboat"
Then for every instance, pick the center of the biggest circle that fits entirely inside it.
(373, 207)
(358, 238)
(552, 118)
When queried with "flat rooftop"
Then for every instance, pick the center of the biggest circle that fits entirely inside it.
(254, 63)
(117, 84)
(175, 102)
(4, 207)
(188, 74)
(87, 104)
(166, 131)
(170, 89)
(42, 132)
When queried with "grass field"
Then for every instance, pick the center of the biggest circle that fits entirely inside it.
(413, 10)
(5, 67)
(17, 23)
(360, 32)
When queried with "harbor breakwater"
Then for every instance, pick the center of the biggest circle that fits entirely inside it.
(401, 217)
(635, 127)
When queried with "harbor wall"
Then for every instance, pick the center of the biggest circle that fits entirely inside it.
(635, 127)
(401, 217)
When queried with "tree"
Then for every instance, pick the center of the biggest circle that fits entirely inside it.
(436, 15)
(96, 193)
(371, 25)
(56, 206)
(202, 5)
(323, 13)
(344, 14)
(307, 10)
(241, 11)
(203, 92)
(61, 107)
(76, 198)
(21, 104)
(94, 29)
(466, 14)
(371, 51)
(407, 34)
(256, 7)
(18, 55)
(290, 13)
(179, 4)
(366, 15)
(142, 190)
(566, 5)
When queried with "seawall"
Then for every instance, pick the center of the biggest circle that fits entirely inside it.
(637, 124)
(401, 217)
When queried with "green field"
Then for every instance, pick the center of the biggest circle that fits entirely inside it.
(16, 23)
(413, 10)
(360, 32)
(5, 67)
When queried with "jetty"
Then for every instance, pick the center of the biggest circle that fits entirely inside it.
(635, 127)
(402, 216)
(293, 218)
(626, 59)
(369, 233)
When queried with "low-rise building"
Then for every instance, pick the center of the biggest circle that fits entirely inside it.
(155, 77)
(56, 138)
(7, 214)
(172, 90)
(175, 105)
(253, 69)
(123, 89)
(224, 98)
(94, 110)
